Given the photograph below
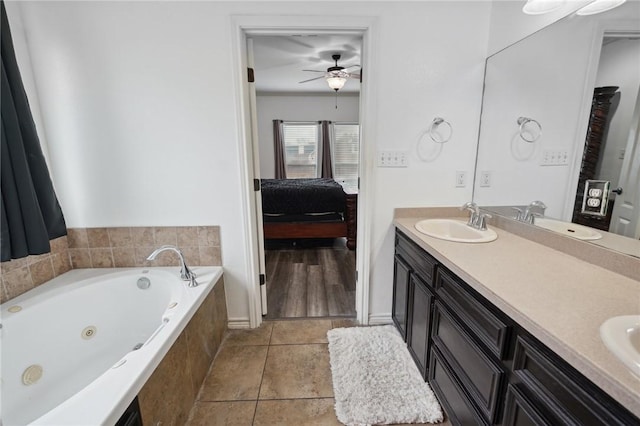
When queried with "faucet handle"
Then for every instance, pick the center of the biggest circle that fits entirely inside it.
(482, 221)
(532, 217)
(519, 213)
(469, 206)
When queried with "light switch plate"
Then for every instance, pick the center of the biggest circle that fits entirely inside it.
(393, 159)
(555, 157)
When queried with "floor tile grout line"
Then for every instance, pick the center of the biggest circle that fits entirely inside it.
(264, 367)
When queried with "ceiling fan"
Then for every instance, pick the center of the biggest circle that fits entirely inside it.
(336, 76)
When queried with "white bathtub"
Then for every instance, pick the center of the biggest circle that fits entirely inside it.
(67, 346)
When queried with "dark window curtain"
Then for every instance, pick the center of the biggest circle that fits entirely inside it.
(278, 150)
(31, 215)
(325, 136)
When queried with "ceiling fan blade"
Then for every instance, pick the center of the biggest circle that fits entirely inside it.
(353, 66)
(351, 75)
(311, 79)
(314, 70)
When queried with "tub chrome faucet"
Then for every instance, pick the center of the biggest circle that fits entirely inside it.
(185, 273)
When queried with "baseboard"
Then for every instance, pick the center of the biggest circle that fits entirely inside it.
(238, 323)
(380, 319)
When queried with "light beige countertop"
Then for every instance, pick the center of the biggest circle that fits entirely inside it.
(558, 298)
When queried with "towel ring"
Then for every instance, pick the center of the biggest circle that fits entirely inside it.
(523, 121)
(434, 125)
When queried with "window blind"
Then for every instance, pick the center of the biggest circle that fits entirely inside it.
(301, 150)
(346, 154)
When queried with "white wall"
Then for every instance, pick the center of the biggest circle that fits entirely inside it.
(510, 25)
(142, 128)
(297, 108)
(547, 77)
(619, 66)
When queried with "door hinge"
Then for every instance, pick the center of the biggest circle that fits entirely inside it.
(263, 279)
(358, 184)
(256, 185)
(250, 75)
(356, 276)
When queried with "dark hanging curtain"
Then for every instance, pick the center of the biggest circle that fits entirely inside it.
(31, 215)
(278, 149)
(325, 138)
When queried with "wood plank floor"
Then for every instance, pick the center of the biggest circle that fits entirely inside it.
(311, 281)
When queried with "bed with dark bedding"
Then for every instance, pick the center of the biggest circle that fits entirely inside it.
(308, 208)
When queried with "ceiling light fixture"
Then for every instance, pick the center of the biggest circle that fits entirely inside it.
(538, 7)
(599, 6)
(336, 79)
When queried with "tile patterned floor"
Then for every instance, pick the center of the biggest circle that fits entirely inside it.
(277, 374)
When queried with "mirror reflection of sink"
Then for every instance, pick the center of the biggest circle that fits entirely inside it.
(454, 230)
(566, 228)
(621, 335)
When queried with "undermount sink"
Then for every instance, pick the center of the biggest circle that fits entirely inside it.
(455, 230)
(621, 335)
(566, 228)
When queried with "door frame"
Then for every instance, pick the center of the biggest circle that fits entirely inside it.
(241, 27)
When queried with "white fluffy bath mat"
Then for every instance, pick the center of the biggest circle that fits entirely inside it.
(375, 380)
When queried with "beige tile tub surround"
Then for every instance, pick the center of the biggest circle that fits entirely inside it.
(170, 392)
(560, 299)
(21, 275)
(128, 247)
(109, 248)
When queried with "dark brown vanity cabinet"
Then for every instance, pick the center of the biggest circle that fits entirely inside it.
(471, 340)
(413, 297)
(484, 368)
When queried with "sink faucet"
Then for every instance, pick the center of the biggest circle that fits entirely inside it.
(477, 220)
(529, 214)
(473, 208)
(186, 274)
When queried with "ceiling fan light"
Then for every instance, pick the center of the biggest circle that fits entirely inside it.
(599, 6)
(336, 82)
(538, 7)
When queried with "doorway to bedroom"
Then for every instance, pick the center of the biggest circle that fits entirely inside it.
(308, 148)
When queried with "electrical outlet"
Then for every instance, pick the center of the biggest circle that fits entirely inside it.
(555, 157)
(393, 159)
(485, 178)
(621, 154)
(461, 179)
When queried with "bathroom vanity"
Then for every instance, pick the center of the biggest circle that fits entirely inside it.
(506, 332)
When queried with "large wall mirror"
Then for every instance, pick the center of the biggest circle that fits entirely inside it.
(561, 107)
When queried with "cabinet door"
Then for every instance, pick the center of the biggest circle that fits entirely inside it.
(554, 388)
(450, 392)
(520, 412)
(419, 324)
(401, 274)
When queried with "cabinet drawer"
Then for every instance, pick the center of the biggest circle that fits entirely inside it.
(483, 323)
(520, 412)
(481, 376)
(560, 392)
(421, 262)
(450, 393)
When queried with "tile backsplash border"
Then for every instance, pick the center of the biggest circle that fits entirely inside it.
(110, 248)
